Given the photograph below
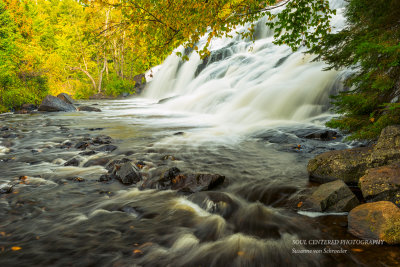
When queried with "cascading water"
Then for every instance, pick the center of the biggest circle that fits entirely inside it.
(245, 85)
(244, 114)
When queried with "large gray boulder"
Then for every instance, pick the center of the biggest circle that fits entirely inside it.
(351, 164)
(376, 221)
(382, 183)
(387, 149)
(54, 104)
(66, 98)
(335, 196)
(348, 165)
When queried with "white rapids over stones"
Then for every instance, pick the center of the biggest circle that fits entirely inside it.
(247, 86)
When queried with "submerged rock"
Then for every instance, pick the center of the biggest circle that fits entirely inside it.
(382, 183)
(215, 202)
(89, 108)
(334, 196)
(378, 221)
(98, 162)
(348, 165)
(54, 104)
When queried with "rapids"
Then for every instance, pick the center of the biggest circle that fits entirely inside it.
(243, 113)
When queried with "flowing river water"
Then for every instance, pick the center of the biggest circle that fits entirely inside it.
(244, 113)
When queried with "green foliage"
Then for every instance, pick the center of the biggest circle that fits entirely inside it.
(370, 46)
(115, 86)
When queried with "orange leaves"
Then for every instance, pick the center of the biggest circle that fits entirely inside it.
(137, 251)
(15, 248)
(300, 204)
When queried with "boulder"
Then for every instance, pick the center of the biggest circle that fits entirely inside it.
(106, 148)
(72, 162)
(323, 135)
(382, 183)
(26, 108)
(54, 104)
(66, 98)
(113, 165)
(98, 161)
(82, 145)
(193, 183)
(6, 188)
(89, 108)
(334, 196)
(174, 179)
(377, 221)
(128, 174)
(215, 202)
(102, 140)
(347, 165)
(387, 149)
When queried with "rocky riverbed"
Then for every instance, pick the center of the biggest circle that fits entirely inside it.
(131, 185)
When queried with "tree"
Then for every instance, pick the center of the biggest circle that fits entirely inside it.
(370, 47)
(161, 26)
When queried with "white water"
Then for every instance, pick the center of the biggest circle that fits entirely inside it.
(253, 86)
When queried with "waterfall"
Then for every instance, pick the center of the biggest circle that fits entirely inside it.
(246, 84)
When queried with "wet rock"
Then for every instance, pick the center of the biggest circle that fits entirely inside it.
(382, 183)
(95, 129)
(334, 196)
(10, 135)
(54, 104)
(106, 148)
(72, 162)
(168, 176)
(114, 165)
(89, 108)
(102, 140)
(66, 98)
(348, 165)
(25, 109)
(128, 174)
(29, 107)
(97, 162)
(6, 188)
(324, 135)
(4, 128)
(377, 221)
(192, 183)
(105, 178)
(179, 133)
(88, 153)
(215, 202)
(164, 100)
(82, 145)
(387, 149)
